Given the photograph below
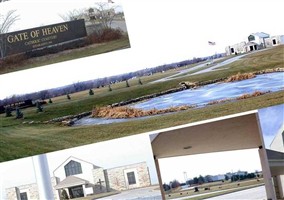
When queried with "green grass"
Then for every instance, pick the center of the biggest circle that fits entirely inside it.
(270, 58)
(20, 140)
(60, 57)
(25, 140)
(221, 193)
(218, 188)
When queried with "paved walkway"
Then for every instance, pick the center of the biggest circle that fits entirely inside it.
(253, 193)
(210, 68)
(257, 193)
(148, 193)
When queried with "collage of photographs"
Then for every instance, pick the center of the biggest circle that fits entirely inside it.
(141, 100)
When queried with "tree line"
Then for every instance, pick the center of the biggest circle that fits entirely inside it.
(207, 179)
(96, 83)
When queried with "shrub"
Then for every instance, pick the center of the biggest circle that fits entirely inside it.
(39, 107)
(8, 112)
(19, 114)
(64, 195)
(91, 92)
(140, 82)
(105, 35)
(175, 184)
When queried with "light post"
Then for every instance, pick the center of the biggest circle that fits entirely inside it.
(185, 177)
(212, 44)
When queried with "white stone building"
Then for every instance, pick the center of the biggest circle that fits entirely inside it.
(255, 41)
(80, 178)
(274, 40)
(236, 48)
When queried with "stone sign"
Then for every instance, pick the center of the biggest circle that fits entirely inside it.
(35, 38)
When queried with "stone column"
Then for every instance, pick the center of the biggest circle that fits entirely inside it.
(159, 177)
(280, 182)
(266, 174)
(13, 193)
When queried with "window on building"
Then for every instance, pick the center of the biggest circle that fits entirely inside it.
(274, 41)
(23, 196)
(251, 38)
(73, 168)
(131, 178)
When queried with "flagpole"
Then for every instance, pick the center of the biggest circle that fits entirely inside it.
(212, 44)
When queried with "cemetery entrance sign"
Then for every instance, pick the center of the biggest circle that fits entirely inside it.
(35, 38)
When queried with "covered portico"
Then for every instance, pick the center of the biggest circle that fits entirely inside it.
(75, 187)
(233, 132)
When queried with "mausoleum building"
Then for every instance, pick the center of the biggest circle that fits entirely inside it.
(255, 41)
(79, 178)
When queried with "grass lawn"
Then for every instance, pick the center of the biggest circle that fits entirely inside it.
(20, 140)
(68, 55)
(216, 189)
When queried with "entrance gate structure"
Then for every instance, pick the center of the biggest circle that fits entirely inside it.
(234, 132)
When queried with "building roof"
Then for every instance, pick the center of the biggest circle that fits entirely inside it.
(274, 155)
(75, 159)
(71, 181)
(261, 34)
(250, 43)
(278, 141)
(233, 132)
(276, 162)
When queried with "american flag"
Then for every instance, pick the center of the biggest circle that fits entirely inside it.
(211, 43)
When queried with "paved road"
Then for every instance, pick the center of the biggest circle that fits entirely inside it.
(249, 194)
(257, 193)
(148, 193)
(226, 62)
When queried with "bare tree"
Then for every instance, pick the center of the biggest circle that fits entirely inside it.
(73, 15)
(105, 13)
(6, 22)
(3, 1)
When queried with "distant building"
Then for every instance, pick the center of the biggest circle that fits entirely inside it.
(236, 48)
(258, 39)
(241, 173)
(255, 41)
(81, 178)
(274, 40)
(219, 177)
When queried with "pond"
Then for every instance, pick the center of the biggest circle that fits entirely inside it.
(202, 96)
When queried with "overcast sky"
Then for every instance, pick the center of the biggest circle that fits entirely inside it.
(160, 31)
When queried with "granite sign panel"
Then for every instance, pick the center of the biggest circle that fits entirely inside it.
(35, 38)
